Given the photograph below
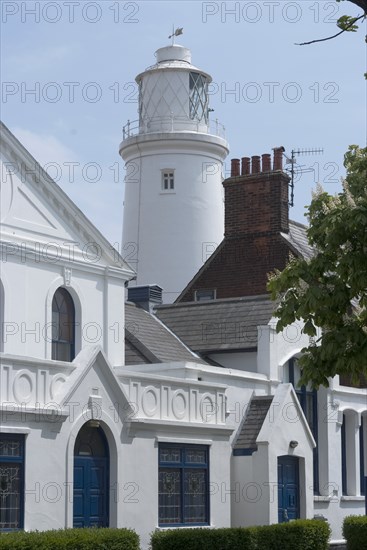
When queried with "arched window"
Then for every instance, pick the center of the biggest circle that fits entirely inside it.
(91, 441)
(63, 326)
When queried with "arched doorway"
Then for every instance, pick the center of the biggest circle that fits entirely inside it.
(91, 477)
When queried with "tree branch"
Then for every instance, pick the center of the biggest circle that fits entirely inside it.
(335, 35)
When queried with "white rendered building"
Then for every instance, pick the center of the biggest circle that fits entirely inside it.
(110, 416)
(173, 191)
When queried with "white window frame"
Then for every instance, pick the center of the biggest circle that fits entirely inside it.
(168, 179)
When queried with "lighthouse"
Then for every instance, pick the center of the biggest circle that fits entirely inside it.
(173, 207)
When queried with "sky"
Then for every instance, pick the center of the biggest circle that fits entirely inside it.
(68, 86)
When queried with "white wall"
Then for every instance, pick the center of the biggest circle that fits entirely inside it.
(98, 300)
(163, 227)
(237, 360)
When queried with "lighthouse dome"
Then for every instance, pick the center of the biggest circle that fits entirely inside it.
(175, 52)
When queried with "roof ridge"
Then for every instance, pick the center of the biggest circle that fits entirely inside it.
(257, 298)
(299, 224)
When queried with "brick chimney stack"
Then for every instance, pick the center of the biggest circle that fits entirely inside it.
(256, 215)
(256, 200)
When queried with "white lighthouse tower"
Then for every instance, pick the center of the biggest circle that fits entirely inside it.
(173, 209)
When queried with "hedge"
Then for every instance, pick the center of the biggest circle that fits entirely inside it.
(300, 534)
(355, 532)
(71, 539)
(235, 538)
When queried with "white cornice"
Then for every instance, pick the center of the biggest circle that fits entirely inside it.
(125, 376)
(36, 362)
(21, 247)
(175, 142)
(154, 424)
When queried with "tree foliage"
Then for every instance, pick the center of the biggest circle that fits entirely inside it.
(346, 22)
(329, 291)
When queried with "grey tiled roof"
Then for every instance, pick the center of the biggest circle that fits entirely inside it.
(297, 238)
(132, 355)
(149, 341)
(226, 324)
(253, 421)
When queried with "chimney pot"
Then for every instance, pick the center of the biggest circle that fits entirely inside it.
(246, 166)
(278, 158)
(235, 167)
(256, 165)
(266, 162)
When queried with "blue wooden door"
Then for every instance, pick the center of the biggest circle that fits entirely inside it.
(91, 479)
(90, 492)
(288, 488)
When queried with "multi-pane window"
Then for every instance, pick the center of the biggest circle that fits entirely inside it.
(168, 180)
(11, 481)
(183, 484)
(63, 326)
(308, 401)
(199, 99)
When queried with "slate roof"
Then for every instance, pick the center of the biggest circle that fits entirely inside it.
(147, 340)
(297, 238)
(253, 421)
(132, 355)
(230, 323)
(218, 325)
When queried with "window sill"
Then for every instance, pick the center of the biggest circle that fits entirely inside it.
(318, 498)
(347, 498)
(167, 193)
(185, 526)
(184, 441)
(5, 430)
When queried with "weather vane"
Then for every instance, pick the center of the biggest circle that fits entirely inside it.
(176, 32)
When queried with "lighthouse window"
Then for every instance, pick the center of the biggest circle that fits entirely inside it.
(168, 180)
(198, 97)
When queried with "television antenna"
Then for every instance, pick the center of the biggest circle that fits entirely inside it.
(302, 169)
